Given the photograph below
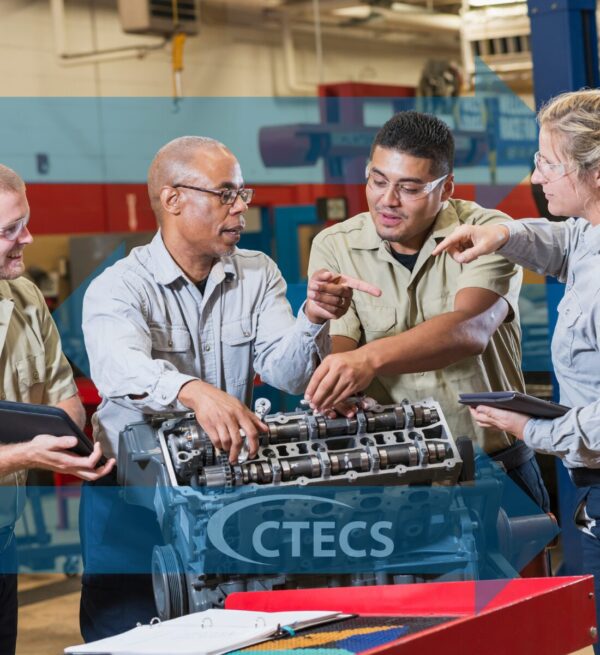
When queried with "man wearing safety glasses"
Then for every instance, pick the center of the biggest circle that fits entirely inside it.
(32, 370)
(438, 328)
(184, 324)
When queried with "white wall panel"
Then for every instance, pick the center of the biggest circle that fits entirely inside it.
(223, 60)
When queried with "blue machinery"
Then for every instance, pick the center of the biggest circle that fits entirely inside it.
(326, 502)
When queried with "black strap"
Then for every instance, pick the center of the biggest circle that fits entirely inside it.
(513, 456)
(583, 477)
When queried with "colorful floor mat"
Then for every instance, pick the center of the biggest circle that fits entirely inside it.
(347, 637)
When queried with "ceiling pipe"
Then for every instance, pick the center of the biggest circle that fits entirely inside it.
(318, 40)
(410, 17)
(336, 27)
(419, 21)
(289, 59)
(422, 21)
(57, 10)
(387, 36)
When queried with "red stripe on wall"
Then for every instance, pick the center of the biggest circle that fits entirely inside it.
(89, 208)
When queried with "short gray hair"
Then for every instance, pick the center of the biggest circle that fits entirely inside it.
(173, 163)
(10, 182)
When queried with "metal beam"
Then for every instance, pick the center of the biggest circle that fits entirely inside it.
(564, 46)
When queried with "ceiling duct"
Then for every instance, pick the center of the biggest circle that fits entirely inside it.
(159, 17)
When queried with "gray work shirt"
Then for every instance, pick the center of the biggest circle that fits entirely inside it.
(148, 330)
(569, 251)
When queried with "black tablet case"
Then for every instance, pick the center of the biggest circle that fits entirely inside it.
(23, 421)
(515, 402)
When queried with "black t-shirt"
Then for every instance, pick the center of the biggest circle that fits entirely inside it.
(408, 261)
(201, 286)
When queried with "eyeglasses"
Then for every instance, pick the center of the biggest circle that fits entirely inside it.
(228, 196)
(550, 172)
(11, 232)
(402, 190)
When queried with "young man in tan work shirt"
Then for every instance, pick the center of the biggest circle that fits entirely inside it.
(438, 329)
(33, 369)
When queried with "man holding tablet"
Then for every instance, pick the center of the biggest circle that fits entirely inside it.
(33, 369)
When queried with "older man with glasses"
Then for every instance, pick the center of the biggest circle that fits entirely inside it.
(184, 324)
(438, 328)
(32, 370)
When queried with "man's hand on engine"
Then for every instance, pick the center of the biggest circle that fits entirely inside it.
(351, 405)
(223, 418)
(338, 377)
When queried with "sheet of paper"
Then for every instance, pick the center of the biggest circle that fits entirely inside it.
(204, 633)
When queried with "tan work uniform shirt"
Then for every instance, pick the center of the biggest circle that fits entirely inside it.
(409, 298)
(32, 368)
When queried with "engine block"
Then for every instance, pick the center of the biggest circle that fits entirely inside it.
(396, 466)
(384, 445)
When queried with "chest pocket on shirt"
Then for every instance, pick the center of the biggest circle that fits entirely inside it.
(565, 338)
(377, 321)
(238, 349)
(31, 374)
(172, 344)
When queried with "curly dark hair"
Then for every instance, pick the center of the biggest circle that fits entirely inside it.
(419, 135)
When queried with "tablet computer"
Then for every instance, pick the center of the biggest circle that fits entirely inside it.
(514, 401)
(23, 421)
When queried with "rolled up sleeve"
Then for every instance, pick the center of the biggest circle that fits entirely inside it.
(119, 345)
(287, 350)
(493, 272)
(574, 437)
(496, 274)
(540, 245)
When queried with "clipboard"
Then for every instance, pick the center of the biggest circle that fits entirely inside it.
(20, 422)
(514, 401)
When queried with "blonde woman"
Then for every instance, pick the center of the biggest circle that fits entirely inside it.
(568, 168)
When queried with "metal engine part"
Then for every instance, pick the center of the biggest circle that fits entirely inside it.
(381, 445)
(168, 464)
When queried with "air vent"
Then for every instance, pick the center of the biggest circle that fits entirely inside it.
(159, 17)
(500, 36)
(506, 45)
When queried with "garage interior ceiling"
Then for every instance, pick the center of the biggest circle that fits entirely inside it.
(451, 31)
(446, 30)
(496, 30)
